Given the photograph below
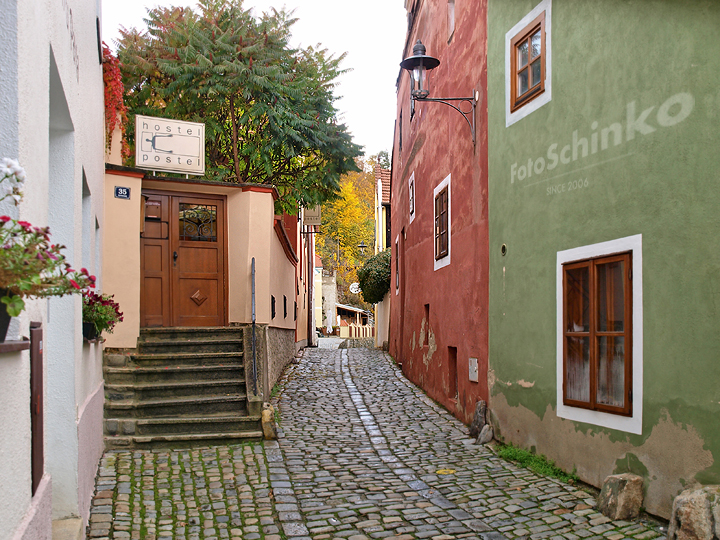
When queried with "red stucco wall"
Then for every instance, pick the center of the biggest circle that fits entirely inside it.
(435, 144)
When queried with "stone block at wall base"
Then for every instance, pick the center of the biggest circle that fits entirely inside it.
(478, 422)
(696, 515)
(621, 496)
(68, 529)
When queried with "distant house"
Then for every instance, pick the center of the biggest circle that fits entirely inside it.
(382, 209)
(318, 291)
(51, 388)
(382, 242)
(351, 315)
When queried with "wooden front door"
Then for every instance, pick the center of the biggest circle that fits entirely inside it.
(183, 258)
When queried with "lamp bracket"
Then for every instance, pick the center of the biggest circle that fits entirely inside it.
(471, 100)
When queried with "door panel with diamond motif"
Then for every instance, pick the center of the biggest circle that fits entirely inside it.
(195, 259)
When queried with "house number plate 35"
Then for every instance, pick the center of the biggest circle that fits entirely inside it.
(122, 192)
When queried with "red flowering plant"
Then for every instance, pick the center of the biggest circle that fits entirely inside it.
(115, 108)
(101, 311)
(30, 265)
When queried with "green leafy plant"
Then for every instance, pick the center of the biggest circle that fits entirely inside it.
(102, 311)
(268, 108)
(374, 277)
(31, 266)
(536, 463)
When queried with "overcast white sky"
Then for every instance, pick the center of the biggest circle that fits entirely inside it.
(372, 32)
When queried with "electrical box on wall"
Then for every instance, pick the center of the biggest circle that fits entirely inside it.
(473, 369)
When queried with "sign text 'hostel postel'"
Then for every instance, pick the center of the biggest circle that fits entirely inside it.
(169, 145)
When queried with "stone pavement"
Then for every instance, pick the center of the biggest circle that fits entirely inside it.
(362, 454)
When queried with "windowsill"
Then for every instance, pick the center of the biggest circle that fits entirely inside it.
(13, 346)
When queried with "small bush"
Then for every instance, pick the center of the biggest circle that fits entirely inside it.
(374, 277)
(538, 464)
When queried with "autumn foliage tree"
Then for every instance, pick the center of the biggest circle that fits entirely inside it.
(268, 108)
(348, 221)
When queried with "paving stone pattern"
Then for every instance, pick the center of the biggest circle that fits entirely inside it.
(362, 454)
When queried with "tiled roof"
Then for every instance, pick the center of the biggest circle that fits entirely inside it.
(384, 176)
(318, 261)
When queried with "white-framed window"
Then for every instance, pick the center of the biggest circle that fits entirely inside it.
(442, 197)
(528, 63)
(585, 363)
(411, 196)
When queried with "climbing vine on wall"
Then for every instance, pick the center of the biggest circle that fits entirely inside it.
(115, 109)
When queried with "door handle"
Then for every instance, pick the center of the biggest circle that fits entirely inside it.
(175, 256)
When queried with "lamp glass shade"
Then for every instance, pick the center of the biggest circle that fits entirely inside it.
(419, 77)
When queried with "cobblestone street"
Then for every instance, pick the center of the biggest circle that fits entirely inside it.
(362, 454)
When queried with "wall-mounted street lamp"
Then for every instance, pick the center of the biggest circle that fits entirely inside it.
(418, 64)
(362, 247)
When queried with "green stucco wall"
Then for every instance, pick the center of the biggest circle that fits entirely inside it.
(653, 68)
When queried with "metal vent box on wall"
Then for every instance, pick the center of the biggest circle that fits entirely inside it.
(162, 144)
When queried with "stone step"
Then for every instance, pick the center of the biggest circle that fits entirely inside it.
(173, 407)
(175, 373)
(150, 391)
(191, 345)
(182, 386)
(186, 358)
(182, 441)
(224, 423)
(148, 335)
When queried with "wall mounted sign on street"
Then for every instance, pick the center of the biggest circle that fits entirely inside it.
(168, 145)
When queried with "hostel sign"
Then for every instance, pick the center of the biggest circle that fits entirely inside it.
(168, 145)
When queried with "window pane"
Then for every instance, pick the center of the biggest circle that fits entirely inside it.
(535, 72)
(611, 371)
(577, 299)
(611, 296)
(535, 44)
(577, 376)
(198, 222)
(522, 82)
(523, 54)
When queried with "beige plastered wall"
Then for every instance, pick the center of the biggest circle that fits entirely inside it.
(121, 260)
(281, 283)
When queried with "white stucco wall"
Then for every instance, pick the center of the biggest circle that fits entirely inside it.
(51, 102)
(15, 471)
(382, 321)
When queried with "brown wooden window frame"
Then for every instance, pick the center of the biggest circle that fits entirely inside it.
(534, 90)
(442, 232)
(594, 333)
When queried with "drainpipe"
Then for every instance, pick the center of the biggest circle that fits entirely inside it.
(309, 240)
(254, 346)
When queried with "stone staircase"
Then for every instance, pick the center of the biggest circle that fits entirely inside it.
(182, 387)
